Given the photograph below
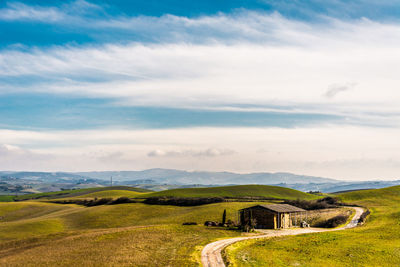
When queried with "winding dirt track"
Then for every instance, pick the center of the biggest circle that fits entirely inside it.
(211, 254)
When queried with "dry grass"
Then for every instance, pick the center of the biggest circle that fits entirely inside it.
(163, 245)
(45, 234)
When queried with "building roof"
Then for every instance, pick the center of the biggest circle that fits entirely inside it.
(279, 208)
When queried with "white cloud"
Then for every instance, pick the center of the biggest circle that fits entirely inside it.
(211, 152)
(218, 76)
(13, 157)
(20, 11)
(68, 13)
(287, 63)
(335, 89)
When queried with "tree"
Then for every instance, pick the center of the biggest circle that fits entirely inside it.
(224, 217)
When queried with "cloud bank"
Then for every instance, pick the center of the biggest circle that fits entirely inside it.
(340, 152)
(271, 61)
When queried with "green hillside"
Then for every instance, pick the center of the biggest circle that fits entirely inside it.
(112, 194)
(6, 198)
(132, 234)
(376, 243)
(237, 191)
(82, 192)
(39, 233)
(388, 193)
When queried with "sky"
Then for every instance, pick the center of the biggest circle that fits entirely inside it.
(308, 87)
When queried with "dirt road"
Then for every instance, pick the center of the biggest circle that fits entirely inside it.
(211, 254)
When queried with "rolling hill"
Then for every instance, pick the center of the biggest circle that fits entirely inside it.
(87, 192)
(376, 243)
(391, 193)
(238, 191)
(136, 234)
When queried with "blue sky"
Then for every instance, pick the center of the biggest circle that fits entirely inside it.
(146, 69)
(48, 23)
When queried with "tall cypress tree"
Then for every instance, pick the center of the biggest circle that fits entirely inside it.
(224, 217)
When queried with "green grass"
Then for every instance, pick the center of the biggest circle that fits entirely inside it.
(376, 243)
(6, 198)
(74, 217)
(77, 192)
(385, 194)
(36, 233)
(31, 228)
(112, 194)
(41, 234)
(111, 216)
(14, 211)
(238, 191)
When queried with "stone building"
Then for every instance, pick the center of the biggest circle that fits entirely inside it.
(273, 216)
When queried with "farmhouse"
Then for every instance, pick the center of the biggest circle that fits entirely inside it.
(272, 216)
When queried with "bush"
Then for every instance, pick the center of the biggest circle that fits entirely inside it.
(334, 222)
(182, 201)
(211, 223)
(96, 201)
(330, 201)
(323, 203)
(363, 216)
(189, 223)
(231, 223)
(101, 201)
(122, 200)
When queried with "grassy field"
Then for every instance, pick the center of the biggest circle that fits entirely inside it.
(238, 191)
(161, 245)
(377, 243)
(93, 192)
(111, 194)
(34, 233)
(38, 233)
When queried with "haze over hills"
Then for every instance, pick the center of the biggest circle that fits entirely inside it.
(171, 176)
(162, 179)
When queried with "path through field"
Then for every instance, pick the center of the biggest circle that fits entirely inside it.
(211, 254)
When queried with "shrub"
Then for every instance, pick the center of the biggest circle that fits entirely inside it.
(189, 223)
(363, 216)
(330, 201)
(211, 223)
(231, 223)
(101, 201)
(323, 203)
(182, 201)
(122, 200)
(334, 222)
(96, 201)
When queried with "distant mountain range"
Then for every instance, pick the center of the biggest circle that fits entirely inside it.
(170, 176)
(160, 179)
